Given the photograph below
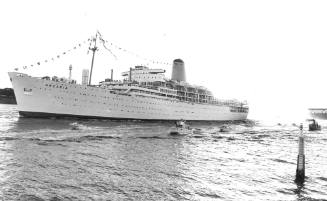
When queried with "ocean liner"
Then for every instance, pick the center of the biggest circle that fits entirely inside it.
(142, 94)
(318, 113)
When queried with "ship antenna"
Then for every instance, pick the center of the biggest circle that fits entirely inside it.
(93, 49)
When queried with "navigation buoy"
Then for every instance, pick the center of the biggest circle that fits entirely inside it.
(300, 169)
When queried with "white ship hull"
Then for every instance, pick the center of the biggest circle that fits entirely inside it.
(318, 113)
(38, 97)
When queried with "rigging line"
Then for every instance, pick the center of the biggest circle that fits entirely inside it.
(104, 45)
(53, 58)
(127, 51)
(136, 55)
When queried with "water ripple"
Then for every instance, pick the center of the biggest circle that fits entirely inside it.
(71, 159)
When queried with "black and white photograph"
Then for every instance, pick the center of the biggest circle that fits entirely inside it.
(163, 100)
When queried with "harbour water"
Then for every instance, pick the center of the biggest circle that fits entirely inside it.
(45, 159)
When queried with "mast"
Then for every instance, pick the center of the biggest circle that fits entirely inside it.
(93, 49)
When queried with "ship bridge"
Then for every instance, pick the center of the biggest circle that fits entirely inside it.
(144, 74)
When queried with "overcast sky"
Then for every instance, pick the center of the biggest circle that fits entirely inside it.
(271, 53)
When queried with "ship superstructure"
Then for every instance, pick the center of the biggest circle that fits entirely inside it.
(318, 113)
(143, 93)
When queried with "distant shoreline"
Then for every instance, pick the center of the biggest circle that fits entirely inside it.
(7, 96)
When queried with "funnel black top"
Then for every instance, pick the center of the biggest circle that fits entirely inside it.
(179, 60)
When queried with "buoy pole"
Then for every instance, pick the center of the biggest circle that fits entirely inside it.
(300, 169)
